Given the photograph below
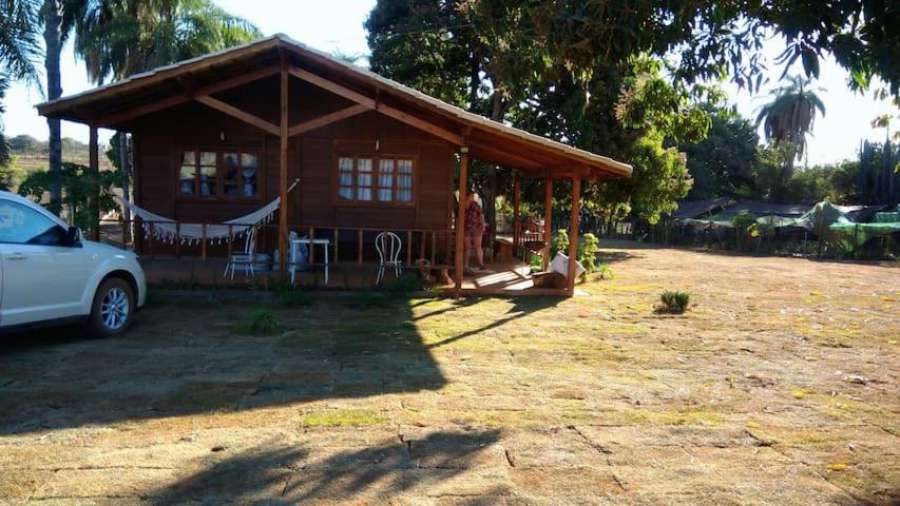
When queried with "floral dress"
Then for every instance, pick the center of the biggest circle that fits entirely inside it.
(474, 220)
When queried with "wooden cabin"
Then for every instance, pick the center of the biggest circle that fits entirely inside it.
(222, 135)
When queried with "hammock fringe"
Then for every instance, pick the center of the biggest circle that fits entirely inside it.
(169, 231)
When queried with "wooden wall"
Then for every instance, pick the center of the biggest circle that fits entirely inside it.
(161, 137)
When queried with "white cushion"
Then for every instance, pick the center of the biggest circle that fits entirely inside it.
(560, 264)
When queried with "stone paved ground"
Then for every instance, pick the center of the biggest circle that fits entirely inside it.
(780, 386)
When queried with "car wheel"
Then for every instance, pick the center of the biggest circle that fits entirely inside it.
(113, 309)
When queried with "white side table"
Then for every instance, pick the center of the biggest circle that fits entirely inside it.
(295, 244)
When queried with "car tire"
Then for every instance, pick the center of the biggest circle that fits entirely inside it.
(113, 309)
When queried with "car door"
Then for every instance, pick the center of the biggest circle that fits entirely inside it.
(44, 273)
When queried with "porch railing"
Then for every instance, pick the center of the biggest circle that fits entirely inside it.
(436, 246)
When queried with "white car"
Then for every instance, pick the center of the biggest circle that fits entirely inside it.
(49, 274)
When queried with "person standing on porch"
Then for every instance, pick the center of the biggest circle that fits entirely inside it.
(474, 230)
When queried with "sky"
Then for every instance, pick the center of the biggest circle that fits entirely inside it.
(337, 25)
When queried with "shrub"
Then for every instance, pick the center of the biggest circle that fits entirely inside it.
(587, 252)
(743, 220)
(675, 302)
(536, 263)
(559, 243)
(261, 322)
(606, 272)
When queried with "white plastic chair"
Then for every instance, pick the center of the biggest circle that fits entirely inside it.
(388, 245)
(246, 258)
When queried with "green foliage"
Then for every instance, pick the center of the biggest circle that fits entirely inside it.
(261, 322)
(722, 164)
(674, 302)
(535, 262)
(606, 272)
(20, 25)
(789, 117)
(78, 183)
(744, 220)
(588, 248)
(10, 174)
(560, 242)
(119, 39)
(878, 178)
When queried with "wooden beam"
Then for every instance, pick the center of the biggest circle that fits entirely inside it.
(119, 117)
(94, 197)
(387, 110)
(282, 174)
(548, 221)
(166, 103)
(244, 116)
(517, 190)
(516, 158)
(461, 219)
(327, 119)
(332, 86)
(239, 80)
(421, 124)
(573, 236)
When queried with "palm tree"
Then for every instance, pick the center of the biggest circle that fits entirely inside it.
(19, 49)
(790, 116)
(120, 38)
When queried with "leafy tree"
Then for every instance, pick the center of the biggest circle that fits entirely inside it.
(79, 184)
(559, 68)
(10, 174)
(722, 164)
(18, 51)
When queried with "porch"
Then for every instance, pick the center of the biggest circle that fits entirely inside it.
(500, 277)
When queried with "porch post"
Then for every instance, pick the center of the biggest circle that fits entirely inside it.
(516, 227)
(282, 175)
(461, 217)
(94, 197)
(573, 234)
(548, 221)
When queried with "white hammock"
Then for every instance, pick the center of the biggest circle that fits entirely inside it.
(168, 231)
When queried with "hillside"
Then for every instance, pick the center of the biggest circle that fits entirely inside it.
(31, 154)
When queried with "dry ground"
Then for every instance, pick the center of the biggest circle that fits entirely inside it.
(780, 386)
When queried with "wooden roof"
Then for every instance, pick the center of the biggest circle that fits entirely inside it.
(112, 106)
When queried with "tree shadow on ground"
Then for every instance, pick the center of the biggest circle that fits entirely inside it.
(294, 475)
(611, 257)
(185, 358)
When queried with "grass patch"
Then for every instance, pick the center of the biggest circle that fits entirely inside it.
(674, 302)
(261, 322)
(343, 418)
(294, 298)
(366, 300)
(681, 417)
(404, 284)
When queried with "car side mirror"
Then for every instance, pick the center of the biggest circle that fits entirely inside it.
(73, 237)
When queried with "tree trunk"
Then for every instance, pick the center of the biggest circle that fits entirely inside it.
(53, 46)
(125, 164)
(498, 109)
